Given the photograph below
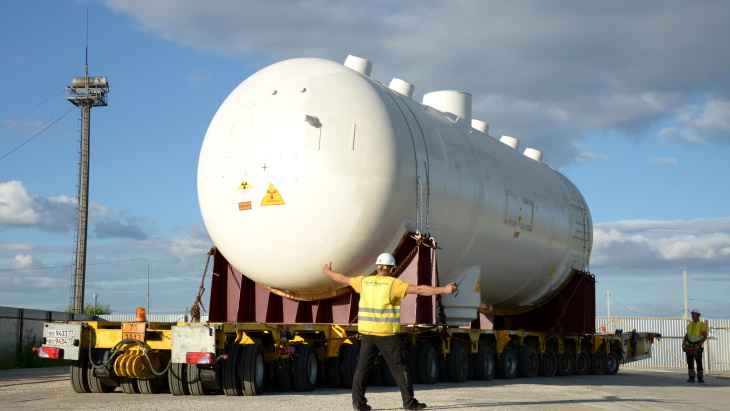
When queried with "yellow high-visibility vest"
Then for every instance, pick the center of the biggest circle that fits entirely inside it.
(694, 331)
(376, 314)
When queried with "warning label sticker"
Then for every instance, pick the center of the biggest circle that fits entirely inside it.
(246, 205)
(272, 196)
(244, 185)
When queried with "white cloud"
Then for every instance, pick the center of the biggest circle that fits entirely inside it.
(661, 161)
(20, 208)
(655, 244)
(544, 73)
(701, 123)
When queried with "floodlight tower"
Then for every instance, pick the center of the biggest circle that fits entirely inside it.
(84, 92)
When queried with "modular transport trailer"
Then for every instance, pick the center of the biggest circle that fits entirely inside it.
(247, 357)
(309, 161)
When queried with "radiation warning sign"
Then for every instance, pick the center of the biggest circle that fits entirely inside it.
(244, 185)
(478, 288)
(272, 196)
(244, 192)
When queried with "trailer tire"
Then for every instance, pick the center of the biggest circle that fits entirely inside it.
(457, 364)
(253, 370)
(598, 363)
(231, 371)
(334, 373)
(98, 385)
(443, 375)
(612, 363)
(529, 363)
(507, 364)
(582, 363)
(428, 370)
(129, 385)
(350, 354)
(177, 379)
(305, 368)
(484, 366)
(548, 364)
(194, 382)
(150, 385)
(566, 363)
(80, 372)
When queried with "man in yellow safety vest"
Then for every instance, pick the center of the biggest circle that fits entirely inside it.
(694, 338)
(379, 323)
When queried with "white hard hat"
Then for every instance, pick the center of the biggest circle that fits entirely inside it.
(385, 259)
(696, 311)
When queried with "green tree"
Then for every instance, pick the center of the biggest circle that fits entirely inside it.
(101, 309)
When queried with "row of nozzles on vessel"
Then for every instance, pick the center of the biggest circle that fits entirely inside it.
(455, 102)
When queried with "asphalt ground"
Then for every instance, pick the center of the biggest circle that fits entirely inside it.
(630, 389)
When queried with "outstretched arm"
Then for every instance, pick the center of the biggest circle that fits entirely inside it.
(340, 278)
(427, 290)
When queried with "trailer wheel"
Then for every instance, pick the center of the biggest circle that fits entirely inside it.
(177, 379)
(484, 364)
(582, 363)
(194, 382)
(598, 363)
(428, 368)
(305, 367)
(150, 385)
(470, 367)
(80, 372)
(231, 374)
(457, 364)
(507, 364)
(443, 373)
(349, 354)
(529, 363)
(129, 385)
(548, 364)
(96, 384)
(612, 363)
(252, 370)
(566, 362)
(284, 377)
(334, 373)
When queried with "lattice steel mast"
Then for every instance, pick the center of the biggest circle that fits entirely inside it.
(84, 92)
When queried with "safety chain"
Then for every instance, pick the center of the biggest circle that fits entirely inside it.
(195, 309)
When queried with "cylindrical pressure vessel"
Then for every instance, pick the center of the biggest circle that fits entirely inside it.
(309, 161)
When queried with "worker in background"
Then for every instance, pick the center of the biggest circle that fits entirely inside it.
(379, 325)
(695, 337)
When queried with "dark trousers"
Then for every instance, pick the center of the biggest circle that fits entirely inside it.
(394, 352)
(691, 359)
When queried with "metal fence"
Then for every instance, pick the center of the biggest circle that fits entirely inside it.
(667, 352)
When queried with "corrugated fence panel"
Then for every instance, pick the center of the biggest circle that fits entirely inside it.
(667, 352)
(158, 318)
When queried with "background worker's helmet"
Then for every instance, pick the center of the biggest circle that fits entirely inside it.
(385, 259)
(696, 311)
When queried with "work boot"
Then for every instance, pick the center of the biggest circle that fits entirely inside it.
(691, 379)
(361, 407)
(700, 380)
(416, 406)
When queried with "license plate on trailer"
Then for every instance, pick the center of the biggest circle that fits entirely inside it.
(133, 331)
(59, 341)
(61, 334)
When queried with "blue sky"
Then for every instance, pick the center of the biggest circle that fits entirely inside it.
(631, 100)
